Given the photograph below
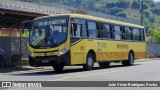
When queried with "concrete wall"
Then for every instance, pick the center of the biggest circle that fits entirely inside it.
(153, 48)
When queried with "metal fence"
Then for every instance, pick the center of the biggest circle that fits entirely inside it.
(11, 46)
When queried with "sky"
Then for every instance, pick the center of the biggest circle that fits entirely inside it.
(157, 0)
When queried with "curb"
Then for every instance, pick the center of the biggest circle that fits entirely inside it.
(147, 59)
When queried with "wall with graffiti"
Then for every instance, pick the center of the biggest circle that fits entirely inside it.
(12, 33)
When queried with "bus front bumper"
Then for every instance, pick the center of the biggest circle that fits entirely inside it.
(49, 60)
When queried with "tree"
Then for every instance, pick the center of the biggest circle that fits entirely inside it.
(155, 35)
(147, 13)
(135, 4)
(110, 5)
(38, 1)
(156, 11)
(145, 6)
(123, 4)
(155, 31)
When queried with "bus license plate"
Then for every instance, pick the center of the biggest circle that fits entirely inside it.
(45, 61)
(39, 54)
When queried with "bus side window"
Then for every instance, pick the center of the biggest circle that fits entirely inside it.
(117, 32)
(105, 32)
(79, 30)
(72, 30)
(92, 29)
(127, 33)
(76, 30)
(136, 34)
(142, 36)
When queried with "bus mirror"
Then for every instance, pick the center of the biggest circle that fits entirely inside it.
(26, 25)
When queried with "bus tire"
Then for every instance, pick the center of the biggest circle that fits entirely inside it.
(104, 64)
(130, 60)
(58, 67)
(89, 62)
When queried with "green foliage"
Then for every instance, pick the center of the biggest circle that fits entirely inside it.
(38, 1)
(147, 13)
(155, 35)
(155, 31)
(151, 3)
(145, 6)
(152, 18)
(122, 14)
(123, 4)
(122, 8)
(115, 10)
(135, 5)
(156, 11)
(110, 5)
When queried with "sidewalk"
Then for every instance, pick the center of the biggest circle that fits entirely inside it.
(147, 59)
(24, 69)
(29, 69)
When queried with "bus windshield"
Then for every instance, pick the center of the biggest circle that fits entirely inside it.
(49, 32)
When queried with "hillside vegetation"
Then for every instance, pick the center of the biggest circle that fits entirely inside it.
(122, 8)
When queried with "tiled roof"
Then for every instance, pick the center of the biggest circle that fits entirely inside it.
(4, 6)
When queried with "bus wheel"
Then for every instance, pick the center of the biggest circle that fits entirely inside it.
(130, 60)
(58, 67)
(89, 62)
(104, 64)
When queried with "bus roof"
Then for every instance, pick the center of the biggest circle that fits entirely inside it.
(96, 19)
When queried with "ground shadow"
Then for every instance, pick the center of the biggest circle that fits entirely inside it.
(14, 69)
(65, 71)
(116, 66)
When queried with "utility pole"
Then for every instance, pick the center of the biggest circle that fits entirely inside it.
(142, 12)
(20, 47)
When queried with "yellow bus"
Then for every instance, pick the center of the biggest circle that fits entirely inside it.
(75, 39)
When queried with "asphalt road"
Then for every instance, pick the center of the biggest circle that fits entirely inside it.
(141, 71)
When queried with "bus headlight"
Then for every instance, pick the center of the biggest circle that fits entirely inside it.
(63, 51)
(31, 55)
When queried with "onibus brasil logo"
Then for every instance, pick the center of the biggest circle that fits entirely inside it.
(19, 84)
